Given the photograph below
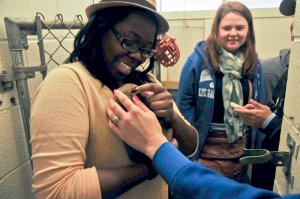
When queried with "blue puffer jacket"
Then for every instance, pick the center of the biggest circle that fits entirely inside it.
(196, 91)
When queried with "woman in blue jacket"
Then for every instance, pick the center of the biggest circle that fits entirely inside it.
(221, 70)
(186, 179)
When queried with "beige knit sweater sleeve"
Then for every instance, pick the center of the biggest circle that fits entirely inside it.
(59, 135)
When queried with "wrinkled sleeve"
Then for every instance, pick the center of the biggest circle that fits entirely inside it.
(270, 84)
(185, 96)
(59, 134)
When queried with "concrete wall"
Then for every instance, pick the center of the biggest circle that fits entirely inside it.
(272, 33)
(15, 168)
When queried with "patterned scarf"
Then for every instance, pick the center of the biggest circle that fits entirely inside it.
(231, 66)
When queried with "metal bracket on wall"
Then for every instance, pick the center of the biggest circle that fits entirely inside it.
(259, 156)
(294, 151)
(19, 73)
(278, 158)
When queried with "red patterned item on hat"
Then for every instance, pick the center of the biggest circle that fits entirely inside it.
(167, 51)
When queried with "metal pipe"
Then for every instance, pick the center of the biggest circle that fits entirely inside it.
(29, 26)
(16, 44)
(41, 43)
(17, 30)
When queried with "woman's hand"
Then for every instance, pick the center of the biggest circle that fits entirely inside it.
(138, 126)
(184, 136)
(158, 99)
(254, 114)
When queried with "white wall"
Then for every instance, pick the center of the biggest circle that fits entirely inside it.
(291, 120)
(271, 32)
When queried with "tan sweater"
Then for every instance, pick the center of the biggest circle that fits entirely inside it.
(70, 138)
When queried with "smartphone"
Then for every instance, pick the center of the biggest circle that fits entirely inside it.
(235, 105)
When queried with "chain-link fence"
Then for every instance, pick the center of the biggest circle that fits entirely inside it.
(68, 30)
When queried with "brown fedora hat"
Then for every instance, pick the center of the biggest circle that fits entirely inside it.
(147, 5)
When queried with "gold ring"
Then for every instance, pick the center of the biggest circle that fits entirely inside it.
(115, 119)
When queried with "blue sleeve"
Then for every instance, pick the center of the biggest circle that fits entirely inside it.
(186, 101)
(273, 127)
(188, 179)
(268, 120)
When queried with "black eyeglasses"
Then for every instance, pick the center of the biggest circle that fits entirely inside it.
(131, 46)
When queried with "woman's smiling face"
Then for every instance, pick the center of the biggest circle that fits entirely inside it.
(135, 30)
(233, 31)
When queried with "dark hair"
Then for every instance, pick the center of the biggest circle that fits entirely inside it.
(88, 46)
(248, 48)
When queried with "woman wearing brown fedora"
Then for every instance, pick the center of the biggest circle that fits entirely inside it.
(74, 153)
